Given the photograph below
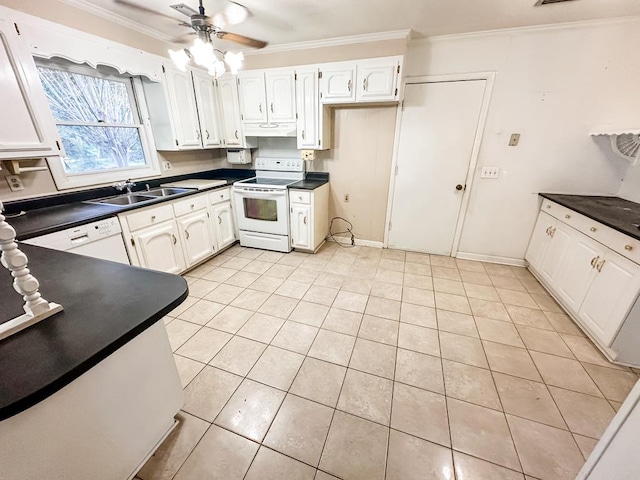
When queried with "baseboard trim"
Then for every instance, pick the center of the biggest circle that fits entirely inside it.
(515, 262)
(358, 241)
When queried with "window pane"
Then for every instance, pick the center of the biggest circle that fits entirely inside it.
(91, 149)
(83, 98)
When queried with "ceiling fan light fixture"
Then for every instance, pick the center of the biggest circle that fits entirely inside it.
(217, 69)
(180, 58)
(235, 13)
(234, 61)
(202, 53)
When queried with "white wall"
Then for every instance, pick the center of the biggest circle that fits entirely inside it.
(630, 188)
(553, 86)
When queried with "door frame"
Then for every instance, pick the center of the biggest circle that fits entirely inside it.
(489, 78)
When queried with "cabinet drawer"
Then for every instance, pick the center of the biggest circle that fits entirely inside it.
(147, 217)
(624, 245)
(297, 196)
(219, 196)
(190, 204)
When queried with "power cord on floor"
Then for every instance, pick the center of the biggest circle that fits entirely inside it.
(348, 230)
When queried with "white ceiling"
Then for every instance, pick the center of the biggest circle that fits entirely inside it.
(292, 21)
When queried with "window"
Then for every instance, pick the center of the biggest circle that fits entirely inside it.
(99, 124)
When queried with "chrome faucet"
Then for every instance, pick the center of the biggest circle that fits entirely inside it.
(126, 185)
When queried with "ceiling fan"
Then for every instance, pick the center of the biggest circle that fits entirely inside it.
(208, 27)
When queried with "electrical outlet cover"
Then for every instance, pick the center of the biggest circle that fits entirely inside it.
(490, 172)
(308, 154)
(15, 183)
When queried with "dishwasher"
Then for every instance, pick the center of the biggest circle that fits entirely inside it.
(101, 239)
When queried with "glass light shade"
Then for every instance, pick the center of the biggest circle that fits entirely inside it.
(235, 13)
(180, 58)
(203, 53)
(234, 61)
(217, 69)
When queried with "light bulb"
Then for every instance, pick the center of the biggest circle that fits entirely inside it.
(202, 53)
(180, 58)
(217, 69)
(235, 13)
(234, 60)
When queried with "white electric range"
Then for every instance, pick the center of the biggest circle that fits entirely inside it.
(262, 203)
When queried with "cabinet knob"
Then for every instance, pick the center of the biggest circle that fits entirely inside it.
(628, 247)
(593, 229)
(153, 218)
(548, 206)
(192, 205)
(459, 187)
(567, 216)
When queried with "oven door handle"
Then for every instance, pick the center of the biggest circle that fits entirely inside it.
(253, 194)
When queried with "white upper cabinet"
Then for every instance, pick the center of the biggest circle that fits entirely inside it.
(378, 80)
(338, 83)
(361, 81)
(281, 96)
(252, 97)
(230, 107)
(313, 125)
(209, 114)
(26, 125)
(182, 99)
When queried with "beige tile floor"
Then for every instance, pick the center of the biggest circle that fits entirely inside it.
(361, 363)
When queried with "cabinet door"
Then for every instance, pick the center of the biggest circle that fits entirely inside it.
(281, 96)
(208, 109)
(552, 265)
(338, 84)
(183, 108)
(301, 234)
(307, 100)
(230, 107)
(252, 97)
(578, 270)
(197, 240)
(223, 224)
(158, 248)
(612, 293)
(540, 240)
(26, 126)
(377, 80)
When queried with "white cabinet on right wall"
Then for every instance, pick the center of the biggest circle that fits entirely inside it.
(313, 129)
(222, 217)
(309, 212)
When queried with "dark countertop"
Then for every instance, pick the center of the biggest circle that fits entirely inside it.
(59, 212)
(100, 316)
(312, 181)
(615, 212)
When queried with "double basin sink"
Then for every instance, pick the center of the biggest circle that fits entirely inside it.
(140, 197)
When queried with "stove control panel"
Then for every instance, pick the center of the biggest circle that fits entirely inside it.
(280, 164)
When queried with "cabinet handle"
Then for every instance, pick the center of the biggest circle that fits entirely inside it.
(186, 234)
(219, 220)
(198, 134)
(567, 216)
(153, 218)
(271, 107)
(548, 230)
(304, 220)
(236, 133)
(260, 108)
(207, 132)
(552, 232)
(594, 261)
(364, 85)
(628, 248)
(303, 134)
(349, 85)
(600, 265)
(593, 229)
(175, 240)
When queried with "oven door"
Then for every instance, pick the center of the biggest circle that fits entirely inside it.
(264, 211)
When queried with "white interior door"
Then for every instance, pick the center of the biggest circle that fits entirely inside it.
(437, 135)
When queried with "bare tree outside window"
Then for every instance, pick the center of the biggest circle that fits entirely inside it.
(96, 120)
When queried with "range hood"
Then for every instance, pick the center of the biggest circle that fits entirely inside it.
(269, 129)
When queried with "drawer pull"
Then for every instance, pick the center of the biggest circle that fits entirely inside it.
(153, 218)
(628, 248)
(548, 206)
(567, 216)
(594, 261)
(593, 229)
(600, 265)
(192, 206)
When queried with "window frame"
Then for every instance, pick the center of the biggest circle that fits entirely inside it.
(65, 180)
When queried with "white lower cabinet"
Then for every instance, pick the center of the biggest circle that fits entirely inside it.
(222, 216)
(309, 217)
(157, 247)
(196, 236)
(597, 286)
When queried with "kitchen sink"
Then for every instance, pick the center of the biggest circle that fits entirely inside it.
(166, 192)
(128, 199)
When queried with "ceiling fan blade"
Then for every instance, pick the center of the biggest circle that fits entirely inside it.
(183, 40)
(144, 9)
(184, 9)
(241, 39)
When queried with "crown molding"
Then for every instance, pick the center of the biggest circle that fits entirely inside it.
(531, 28)
(333, 42)
(118, 19)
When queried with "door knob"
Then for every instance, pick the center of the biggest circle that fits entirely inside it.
(459, 187)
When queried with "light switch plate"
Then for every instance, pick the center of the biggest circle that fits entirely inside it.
(490, 172)
(15, 183)
(308, 154)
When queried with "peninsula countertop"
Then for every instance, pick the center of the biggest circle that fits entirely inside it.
(106, 304)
